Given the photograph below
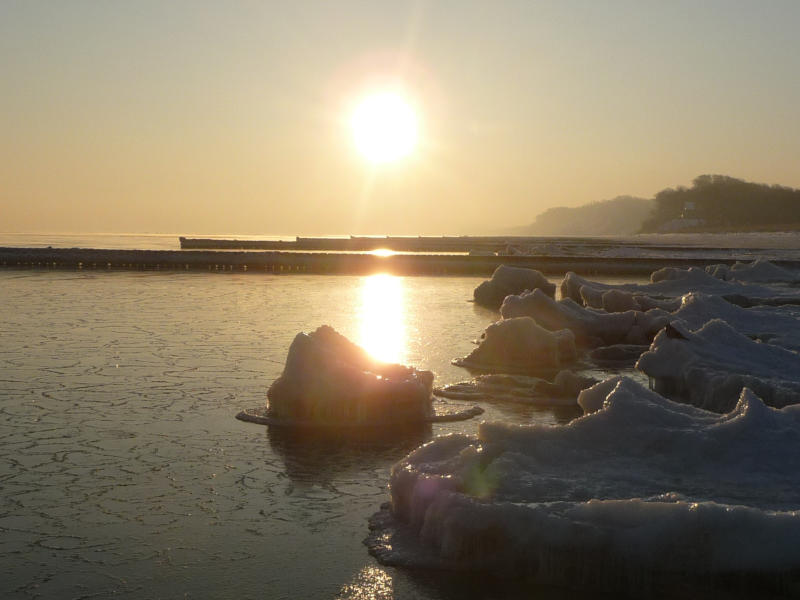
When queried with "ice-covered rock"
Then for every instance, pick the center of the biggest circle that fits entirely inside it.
(641, 486)
(521, 346)
(510, 280)
(591, 327)
(710, 366)
(520, 389)
(759, 271)
(328, 379)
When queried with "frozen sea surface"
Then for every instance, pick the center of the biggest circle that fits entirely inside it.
(122, 469)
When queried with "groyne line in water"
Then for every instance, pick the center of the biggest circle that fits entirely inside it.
(333, 263)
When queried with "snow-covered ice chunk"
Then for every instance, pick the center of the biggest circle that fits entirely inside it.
(760, 271)
(618, 301)
(521, 346)
(510, 280)
(520, 389)
(328, 379)
(777, 325)
(639, 487)
(594, 397)
(591, 327)
(710, 366)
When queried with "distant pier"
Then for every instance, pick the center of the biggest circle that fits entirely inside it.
(335, 263)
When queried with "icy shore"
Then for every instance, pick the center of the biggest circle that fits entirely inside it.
(643, 486)
(699, 487)
(608, 326)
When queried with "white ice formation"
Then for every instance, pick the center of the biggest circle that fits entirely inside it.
(670, 283)
(520, 389)
(521, 346)
(591, 327)
(642, 486)
(776, 325)
(709, 367)
(328, 379)
(510, 280)
(595, 327)
(758, 271)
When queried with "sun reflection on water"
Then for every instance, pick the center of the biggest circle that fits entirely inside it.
(383, 252)
(371, 583)
(382, 316)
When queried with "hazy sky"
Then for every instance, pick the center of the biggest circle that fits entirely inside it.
(231, 117)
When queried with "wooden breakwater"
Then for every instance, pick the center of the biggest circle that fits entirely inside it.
(352, 244)
(332, 263)
(459, 244)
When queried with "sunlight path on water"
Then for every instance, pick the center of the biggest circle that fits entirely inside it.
(382, 318)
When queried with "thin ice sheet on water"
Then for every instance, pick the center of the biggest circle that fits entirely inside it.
(520, 389)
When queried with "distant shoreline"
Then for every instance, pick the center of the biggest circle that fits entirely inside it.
(766, 229)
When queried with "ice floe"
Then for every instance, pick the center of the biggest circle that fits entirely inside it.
(519, 345)
(710, 366)
(330, 381)
(510, 280)
(642, 486)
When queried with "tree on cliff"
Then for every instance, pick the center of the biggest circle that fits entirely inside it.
(719, 201)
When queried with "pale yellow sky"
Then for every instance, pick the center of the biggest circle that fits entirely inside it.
(207, 117)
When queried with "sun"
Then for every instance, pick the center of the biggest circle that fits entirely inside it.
(384, 126)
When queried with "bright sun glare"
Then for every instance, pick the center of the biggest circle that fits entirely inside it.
(384, 126)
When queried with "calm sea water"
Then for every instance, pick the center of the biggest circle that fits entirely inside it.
(124, 472)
